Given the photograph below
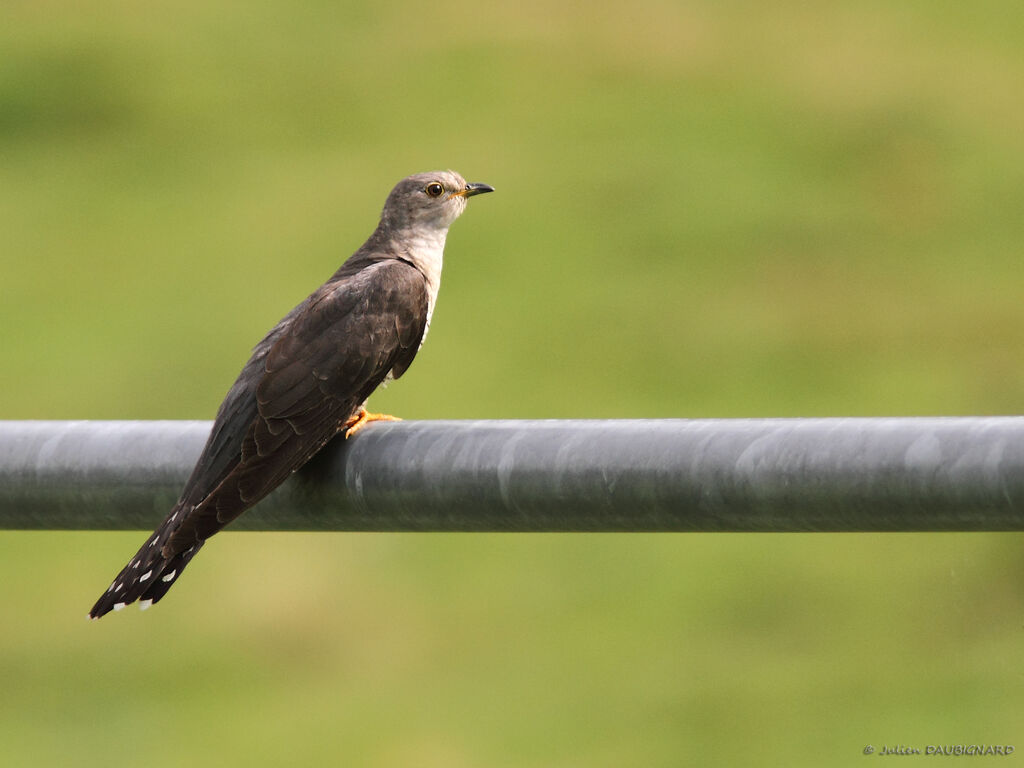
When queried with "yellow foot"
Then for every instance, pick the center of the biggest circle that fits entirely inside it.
(361, 418)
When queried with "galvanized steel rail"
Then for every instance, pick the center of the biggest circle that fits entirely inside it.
(891, 474)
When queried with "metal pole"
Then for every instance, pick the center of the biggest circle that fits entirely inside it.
(892, 474)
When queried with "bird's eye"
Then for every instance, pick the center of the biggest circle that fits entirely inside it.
(434, 189)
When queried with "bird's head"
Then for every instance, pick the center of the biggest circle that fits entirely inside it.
(433, 200)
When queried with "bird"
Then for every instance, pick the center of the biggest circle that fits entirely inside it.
(309, 379)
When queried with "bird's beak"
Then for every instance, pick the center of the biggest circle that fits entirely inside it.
(473, 188)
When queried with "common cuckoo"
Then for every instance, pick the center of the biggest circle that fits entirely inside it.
(309, 379)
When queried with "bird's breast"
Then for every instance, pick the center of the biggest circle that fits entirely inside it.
(426, 252)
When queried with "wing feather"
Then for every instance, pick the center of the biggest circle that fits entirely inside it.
(304, 380)
(317, 373)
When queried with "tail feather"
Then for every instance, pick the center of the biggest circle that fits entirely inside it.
(149, 574)
(168, 575)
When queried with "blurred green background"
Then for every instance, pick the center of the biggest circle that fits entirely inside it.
(703, 209)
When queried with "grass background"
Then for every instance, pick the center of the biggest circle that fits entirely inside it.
(703, 209)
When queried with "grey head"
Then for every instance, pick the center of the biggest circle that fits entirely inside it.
(428, 201)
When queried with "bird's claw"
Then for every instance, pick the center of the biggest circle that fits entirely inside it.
(362, 418)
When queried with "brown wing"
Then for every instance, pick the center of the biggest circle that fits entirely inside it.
(304, 380)
(316, 375)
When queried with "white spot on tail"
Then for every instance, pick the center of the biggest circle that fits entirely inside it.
(119, 606)
(169, 576)
(144, 604)
(146, 575)
(119, 587)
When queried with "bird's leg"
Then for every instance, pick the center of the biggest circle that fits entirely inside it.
(361, 418)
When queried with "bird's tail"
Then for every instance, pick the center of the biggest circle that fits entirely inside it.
(147, 577)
